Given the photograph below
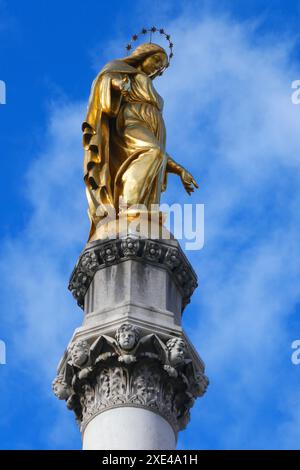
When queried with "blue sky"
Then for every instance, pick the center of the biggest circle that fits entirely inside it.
(231, 121)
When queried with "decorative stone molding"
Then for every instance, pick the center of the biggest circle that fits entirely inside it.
(131, 370)
(100, 254)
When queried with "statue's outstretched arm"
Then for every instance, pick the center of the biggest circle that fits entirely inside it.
(187, 179)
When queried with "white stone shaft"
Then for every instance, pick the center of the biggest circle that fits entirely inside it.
(128, 428)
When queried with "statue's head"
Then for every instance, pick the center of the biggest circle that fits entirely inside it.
(177, 351)
(79, 353)
(60, 388)
(127, 336)
(150, 58)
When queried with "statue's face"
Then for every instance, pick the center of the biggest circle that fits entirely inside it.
(177, 353)
(127, 339)
(154, 63)
(79, 355)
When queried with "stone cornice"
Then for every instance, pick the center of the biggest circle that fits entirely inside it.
(165, 254)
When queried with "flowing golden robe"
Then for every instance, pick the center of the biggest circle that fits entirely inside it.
(124, 140)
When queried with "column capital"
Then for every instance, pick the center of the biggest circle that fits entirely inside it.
(131, 370)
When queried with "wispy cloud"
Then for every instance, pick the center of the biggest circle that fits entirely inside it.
(36, 263)
(230, 118)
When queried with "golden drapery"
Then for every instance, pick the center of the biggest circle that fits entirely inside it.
(124, 141)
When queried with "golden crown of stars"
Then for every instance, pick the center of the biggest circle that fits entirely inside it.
(152, 31)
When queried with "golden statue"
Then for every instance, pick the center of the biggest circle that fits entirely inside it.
(124, 137)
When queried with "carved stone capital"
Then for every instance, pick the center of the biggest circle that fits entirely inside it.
(131, 370)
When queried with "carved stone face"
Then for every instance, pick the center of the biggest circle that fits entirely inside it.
(60, 389)
(127, 339)
(154, 63)
(79, 354)
(177, 352)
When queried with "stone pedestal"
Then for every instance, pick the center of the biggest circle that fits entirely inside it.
(129, 373)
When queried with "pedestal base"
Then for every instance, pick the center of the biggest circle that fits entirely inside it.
(128, 428)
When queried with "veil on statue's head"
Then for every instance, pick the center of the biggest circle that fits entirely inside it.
(142, 52)
(130, 63)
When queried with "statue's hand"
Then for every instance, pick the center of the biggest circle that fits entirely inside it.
(126, 85)
(188, 181)
(122, 84)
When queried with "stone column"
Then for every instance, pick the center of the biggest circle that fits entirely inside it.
(130, 374)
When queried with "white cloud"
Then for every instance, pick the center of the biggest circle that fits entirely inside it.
(36, 263)
(231, 120)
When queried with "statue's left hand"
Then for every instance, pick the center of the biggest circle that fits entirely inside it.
(188, 181)
(122, 84)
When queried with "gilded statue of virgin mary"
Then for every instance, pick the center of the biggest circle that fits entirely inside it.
(124, 137)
